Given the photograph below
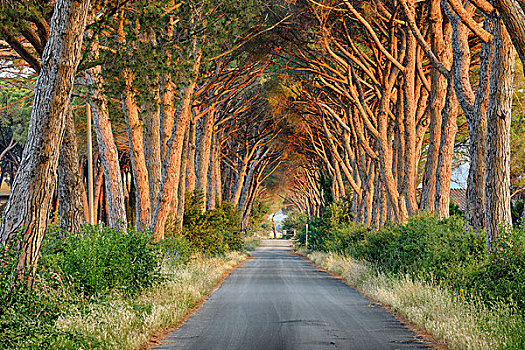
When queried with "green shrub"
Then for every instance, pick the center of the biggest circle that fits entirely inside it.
(322, 231)
(502, 278)
(175, 248)
(434, 250)
(211, 232)
(28, 315)
(101, 260)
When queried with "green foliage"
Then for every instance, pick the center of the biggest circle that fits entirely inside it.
(517, 212)
(27, 315)
(438, 251)
(454, 210)
(502, 278)
(15, 113)
(425, 246)
(322, 231)
(259, 211)
(175, 247)
(295, 221)
(101, 260)
(211, 232)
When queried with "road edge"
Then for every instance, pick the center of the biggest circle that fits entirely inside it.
(428, 338)
(158, 337)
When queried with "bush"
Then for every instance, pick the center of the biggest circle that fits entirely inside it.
(175, 247)
(212, 232)
(27, 316)
(426, 246)
(436, 251)
(101, 260)
(502, 278)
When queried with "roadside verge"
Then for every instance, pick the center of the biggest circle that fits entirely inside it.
(455, 321)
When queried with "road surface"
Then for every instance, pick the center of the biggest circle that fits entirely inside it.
(280, 301)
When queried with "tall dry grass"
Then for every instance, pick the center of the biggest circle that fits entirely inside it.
(120, 323)
(461, 322)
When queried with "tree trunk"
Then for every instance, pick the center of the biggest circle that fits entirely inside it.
(513, 14)
(205, 153)
(446, 152)
(172, 162)
(191, 166)
(27, 210)
(152, 148)
(108, 152)
(497, 189)
(409, 180)
(135, 131)
(70, 184)
(437, 102)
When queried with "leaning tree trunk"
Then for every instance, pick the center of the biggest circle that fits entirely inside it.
(497, 189)
(513, 14)
(70, 187)
(27, 211)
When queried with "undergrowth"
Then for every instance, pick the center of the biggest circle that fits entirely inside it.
(105, 289)
(434, 266)
(463, 322)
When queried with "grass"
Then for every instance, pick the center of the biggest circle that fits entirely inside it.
(252, 242)
(462, 322)
(124, 323)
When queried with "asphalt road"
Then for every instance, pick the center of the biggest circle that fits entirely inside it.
(280, 301)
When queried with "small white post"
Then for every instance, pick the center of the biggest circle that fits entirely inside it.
(306, 237)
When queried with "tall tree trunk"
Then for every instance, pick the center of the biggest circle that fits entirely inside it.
(204, 154)
(409, 181)
(167, 116)
(437, 102)
(215, 173)
(108, 152)
(70, 184)
(152, 149)
(497, 189)
(192, 144)
(181, 198)
(172, 162)
(27, 210)
(513, 14)
(446, 152)
(138, 160)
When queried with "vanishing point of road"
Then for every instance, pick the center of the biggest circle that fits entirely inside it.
(280, 301)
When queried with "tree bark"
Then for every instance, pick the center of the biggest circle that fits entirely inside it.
(497, 189)
(513, 15)
(135, 131)
(191, 166)
(70, 186)
(171, 169)
(446, 152)
(205, 154)
(437, 102)
(27, 210)
(108, 152)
